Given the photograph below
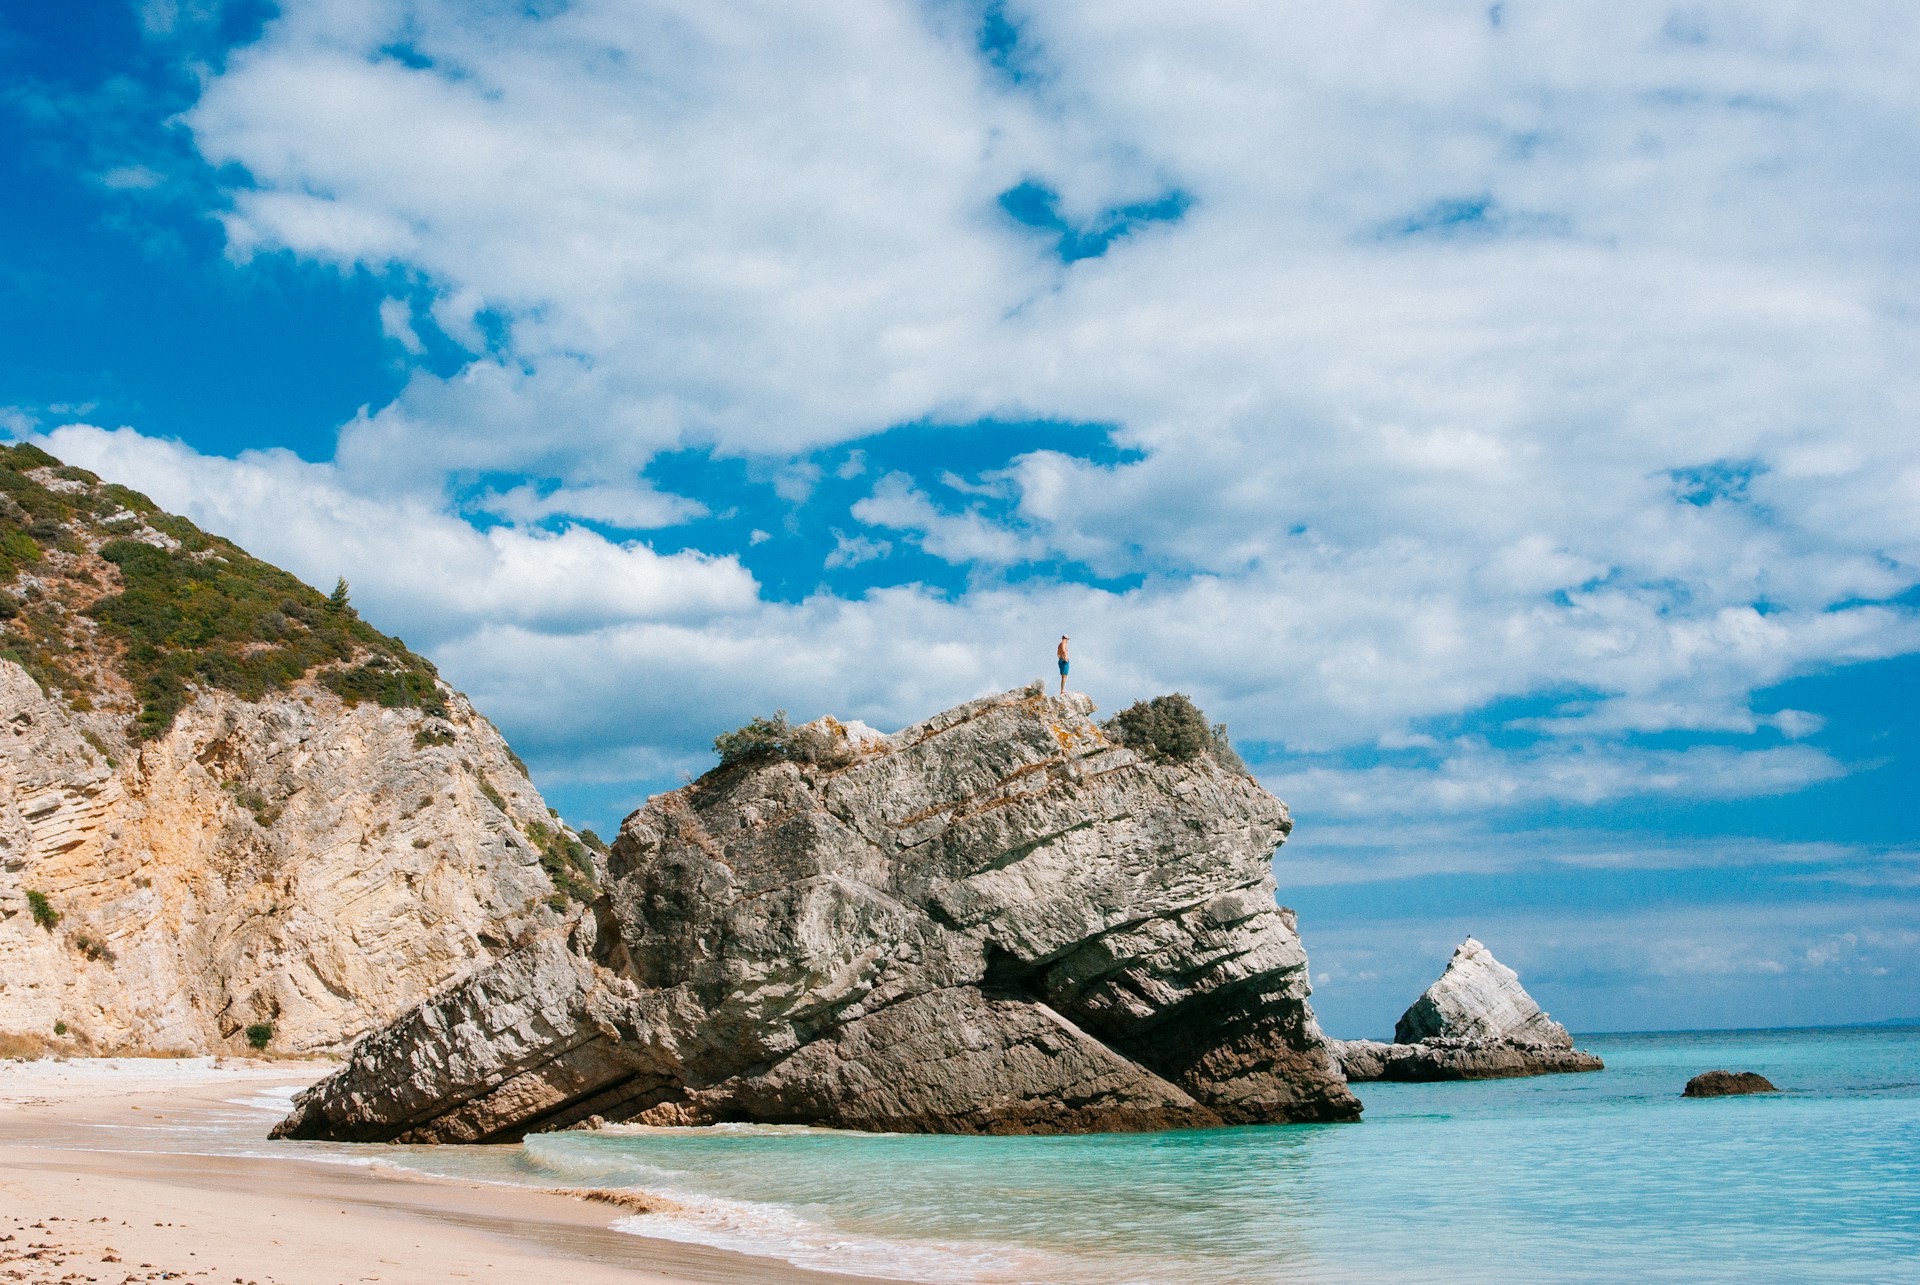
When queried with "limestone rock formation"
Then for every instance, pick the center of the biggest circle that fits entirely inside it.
(201, 831)
(1475, 1023)
(996, 921)
(1727, 1084)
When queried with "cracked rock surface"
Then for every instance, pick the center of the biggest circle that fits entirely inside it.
(995, 921)
(1475, 1023)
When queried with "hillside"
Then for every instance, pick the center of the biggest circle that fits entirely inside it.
(227, 803)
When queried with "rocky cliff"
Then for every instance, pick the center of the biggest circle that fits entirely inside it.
(1475, 1023)
(225, 801)
(996, 921)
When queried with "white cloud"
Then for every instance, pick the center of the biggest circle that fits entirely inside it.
(415, 569)
(1413, 387)
(968, 537)
(396, 323)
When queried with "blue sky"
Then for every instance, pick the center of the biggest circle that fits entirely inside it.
(1500, 416)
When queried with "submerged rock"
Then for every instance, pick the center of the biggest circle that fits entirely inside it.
(1726, 1084)
(1475, 1023)
(996, 921)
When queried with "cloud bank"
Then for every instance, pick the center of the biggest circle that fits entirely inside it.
(1496, 399)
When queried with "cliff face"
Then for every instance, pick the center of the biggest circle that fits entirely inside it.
(1476, 1022)
(211, 820)
(995, 921)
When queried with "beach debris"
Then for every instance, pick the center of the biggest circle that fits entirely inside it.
(634, 1202)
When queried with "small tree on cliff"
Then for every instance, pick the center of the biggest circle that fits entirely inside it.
(1171, 729)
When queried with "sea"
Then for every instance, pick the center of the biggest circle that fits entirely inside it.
(1608, 1176)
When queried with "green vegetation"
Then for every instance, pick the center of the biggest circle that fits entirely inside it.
(428, 735)
(1171, 729)
(204, 614)
(42, 910)
(493, 796)
(766, 739)
(209, 614)
(264, 812)
(566, 862)
(260, 1034)
(92, 947)
(59, 1028)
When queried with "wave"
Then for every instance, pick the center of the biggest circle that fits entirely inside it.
(791, 1233)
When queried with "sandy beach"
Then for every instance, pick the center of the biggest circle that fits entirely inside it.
(99, 1183)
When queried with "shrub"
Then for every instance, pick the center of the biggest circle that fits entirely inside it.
(1224, 754)
(387, 683)
(566, 861)
(1171, 729)
(208, 614)
(264, 813)
(59, 1028)
(765, 739)
(761, 739)
(260, 1034)
(43, 912)
(429, 735)
(93, 948)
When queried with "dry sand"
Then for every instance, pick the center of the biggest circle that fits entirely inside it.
(94, 1188)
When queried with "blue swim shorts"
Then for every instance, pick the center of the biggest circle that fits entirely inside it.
(1063, 667)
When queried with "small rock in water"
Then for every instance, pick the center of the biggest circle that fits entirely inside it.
(1726, 1084)
(1476, 1023)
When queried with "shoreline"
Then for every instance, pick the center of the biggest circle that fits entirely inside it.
(101, 1182)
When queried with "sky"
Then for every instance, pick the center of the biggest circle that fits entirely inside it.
(1502, 416)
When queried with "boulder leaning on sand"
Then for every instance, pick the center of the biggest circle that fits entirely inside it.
(1475, 1023)
(999, 920)
(1727, 1084)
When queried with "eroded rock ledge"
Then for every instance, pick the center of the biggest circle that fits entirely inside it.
(996, 921)
(1475, 1023)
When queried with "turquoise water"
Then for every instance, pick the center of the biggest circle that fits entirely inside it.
(1602, 1177)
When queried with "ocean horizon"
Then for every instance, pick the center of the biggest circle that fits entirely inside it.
(1599, 1176)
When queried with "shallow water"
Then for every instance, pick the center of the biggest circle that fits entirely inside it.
(1609, 1176)
(1603, 1177)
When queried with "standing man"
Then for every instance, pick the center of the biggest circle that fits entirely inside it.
(1061, 653)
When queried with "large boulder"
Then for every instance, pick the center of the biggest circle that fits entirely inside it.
(995, 921)
(1475, 1023)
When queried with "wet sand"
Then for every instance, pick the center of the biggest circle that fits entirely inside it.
(94, 1187)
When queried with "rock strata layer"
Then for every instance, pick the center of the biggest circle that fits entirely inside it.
(1475, 1023)
(289, 859)
(1726, 1084)
(995, 921)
